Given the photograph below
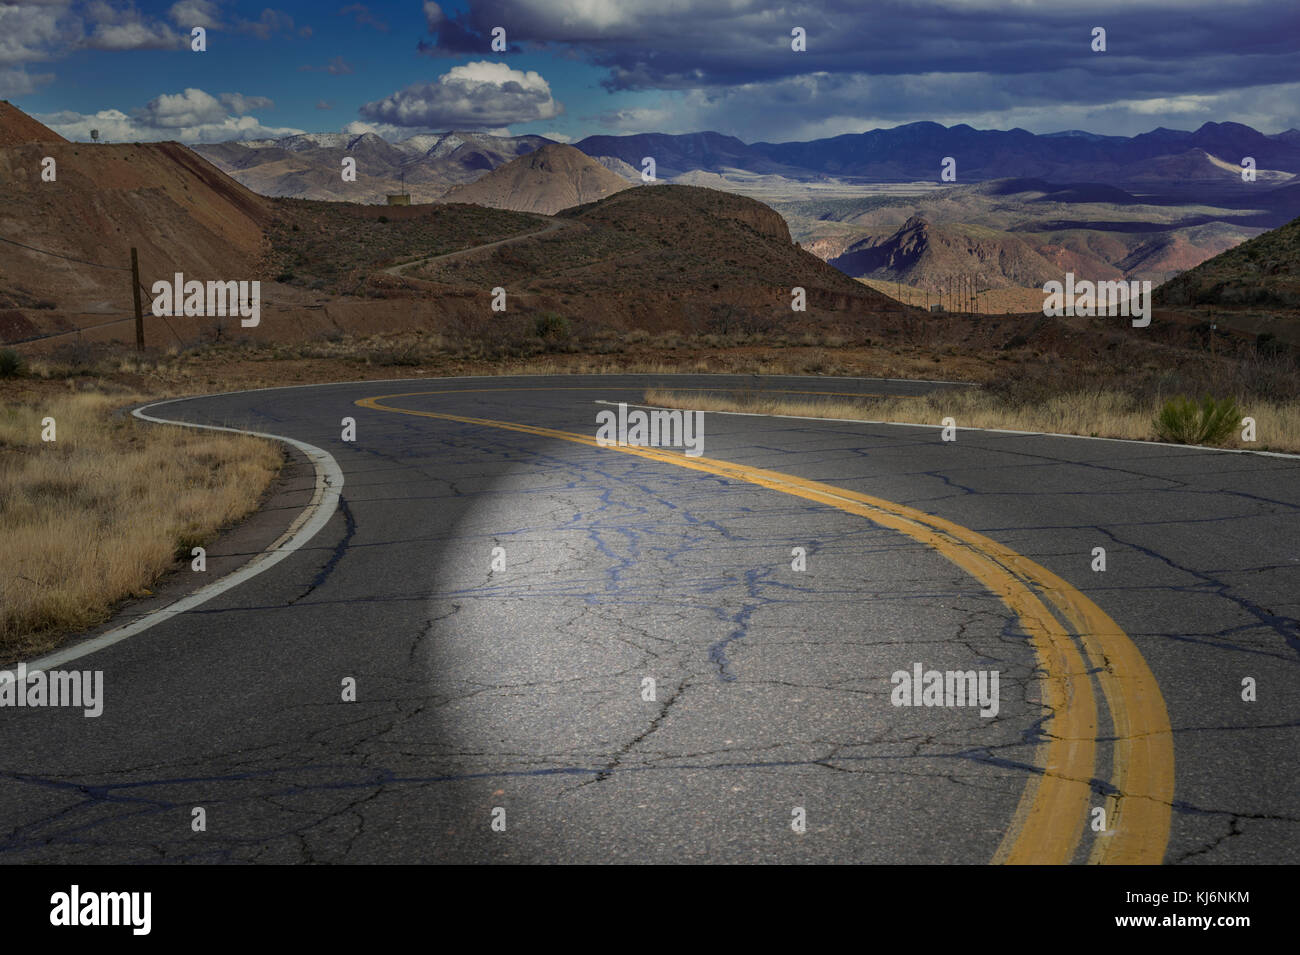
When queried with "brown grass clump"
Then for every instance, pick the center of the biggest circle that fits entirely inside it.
(1100, 413)
(106, 509)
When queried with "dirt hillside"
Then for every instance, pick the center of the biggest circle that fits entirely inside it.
(17, 128)
(181, 213)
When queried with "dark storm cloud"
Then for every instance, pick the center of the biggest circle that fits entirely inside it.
(452, 35)
(1155, 47)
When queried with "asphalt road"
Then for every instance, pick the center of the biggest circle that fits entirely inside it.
(517, 693)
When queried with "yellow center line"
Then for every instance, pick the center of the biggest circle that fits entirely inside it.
(1053, 811)
(609, 388)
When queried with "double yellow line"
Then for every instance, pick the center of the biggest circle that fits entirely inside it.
(1056, 806)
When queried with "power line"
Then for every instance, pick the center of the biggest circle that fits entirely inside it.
(163, 317)
(115, 268)
(97, 265)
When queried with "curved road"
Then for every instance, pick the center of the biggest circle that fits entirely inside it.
(501, 589)
(552, 225)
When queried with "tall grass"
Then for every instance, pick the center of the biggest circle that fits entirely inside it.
(1099, 412)
(104, 510)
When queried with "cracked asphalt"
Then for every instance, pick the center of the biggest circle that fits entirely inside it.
(521, 688)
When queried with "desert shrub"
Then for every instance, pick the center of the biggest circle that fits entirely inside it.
(76, 358)
(1184, 421)
(11, 363)
(1266, 344)
(552, 326)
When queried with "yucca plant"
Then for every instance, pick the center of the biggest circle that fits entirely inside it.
(11, 363)
(1184, 421)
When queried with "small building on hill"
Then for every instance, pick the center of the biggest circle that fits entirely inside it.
(399, 199)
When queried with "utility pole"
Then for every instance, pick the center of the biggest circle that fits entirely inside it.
(139, 311)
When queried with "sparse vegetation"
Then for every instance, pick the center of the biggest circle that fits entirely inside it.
(101, 512)
(551, 326)
(1184, 421)
(1103, 412)
(339, 244)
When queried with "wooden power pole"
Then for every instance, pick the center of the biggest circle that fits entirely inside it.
(139, 310)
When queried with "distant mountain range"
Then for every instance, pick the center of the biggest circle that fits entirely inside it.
(915, 151)
(309, 166)
(1024, 207)
(1163, 160)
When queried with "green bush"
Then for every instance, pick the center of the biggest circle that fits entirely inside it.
(551, 326)
(1184, 421)
(11, 363)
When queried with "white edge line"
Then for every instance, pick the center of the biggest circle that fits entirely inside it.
(1035, 434)
(329, 484)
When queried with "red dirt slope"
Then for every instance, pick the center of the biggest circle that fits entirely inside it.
(17, 128)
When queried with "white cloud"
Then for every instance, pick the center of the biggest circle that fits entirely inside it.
(196, 13)
(271, 21)
(128, 29)
(193, 116)
(478, 95)
(31, 32)
(433, 15)
(239, 104)
(191, 108)
(19, 82)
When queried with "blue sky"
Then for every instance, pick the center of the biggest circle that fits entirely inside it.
(578, 67)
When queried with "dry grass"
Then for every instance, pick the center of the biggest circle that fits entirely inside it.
(1100, 413)
(103, 511)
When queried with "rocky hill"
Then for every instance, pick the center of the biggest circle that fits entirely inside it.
(670, 257)
(932, 257)
(1263, 272)
(547, 180)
